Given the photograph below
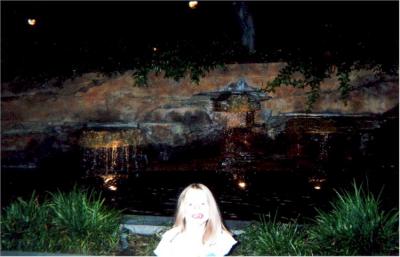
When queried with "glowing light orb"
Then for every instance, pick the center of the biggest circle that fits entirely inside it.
(155, 49)
(242, 184)
(108, 178)
(32, 22)
(112, 188)
(193, 4)
(317, 187)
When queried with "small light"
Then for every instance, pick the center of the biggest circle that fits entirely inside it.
(108, 180)
(32, 22)
(193, 4)
(155, 49)
(242, 184)
(316, 182)
(112, 188)
(116, 143)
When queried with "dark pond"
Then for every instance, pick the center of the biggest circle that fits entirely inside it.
(290, 175)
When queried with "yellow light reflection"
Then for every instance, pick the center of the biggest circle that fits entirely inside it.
(112, 188)
(108, 178)
(32, 22)
(242, 184)
(193, 4)
(116, 143)
(316, 182)
(110, 182)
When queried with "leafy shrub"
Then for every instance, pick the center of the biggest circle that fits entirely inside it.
(142, 245)
(356, 226)
(25, 225)
(184, 58)
(85, 222)
(273, 238)
(75, 222)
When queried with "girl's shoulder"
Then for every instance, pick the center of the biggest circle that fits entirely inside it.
(227, 237)
(170, 234)
(222, 243)
(223, 237)
(164, 247)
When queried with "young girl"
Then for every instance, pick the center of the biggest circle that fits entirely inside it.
(198, 228)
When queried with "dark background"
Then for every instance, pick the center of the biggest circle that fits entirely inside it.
(87, 36)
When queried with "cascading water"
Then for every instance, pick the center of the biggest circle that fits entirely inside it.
(238, 103)
(111, 154)
(107, 159)
(238, 156)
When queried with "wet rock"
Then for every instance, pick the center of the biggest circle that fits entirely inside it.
(168, 118)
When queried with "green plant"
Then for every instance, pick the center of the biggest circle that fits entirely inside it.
(356, 226)
(314, 73)
(344, 85)
(143, 245)
(313, 76)
(180, 60)
(75, 222)
(84, 222)
(140, 75)
(26, 225)
(273, 238)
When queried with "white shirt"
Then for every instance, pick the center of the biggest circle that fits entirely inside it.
(175, 244)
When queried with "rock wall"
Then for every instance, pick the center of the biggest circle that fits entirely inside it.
(167, 113)
(95, 98)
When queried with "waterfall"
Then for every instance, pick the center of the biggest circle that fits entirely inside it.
(107, 153)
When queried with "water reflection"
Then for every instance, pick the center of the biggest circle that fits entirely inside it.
(248, 184)
(110, 182)
(249, 174)
(324, 147)
(242, 184)
(317, 182)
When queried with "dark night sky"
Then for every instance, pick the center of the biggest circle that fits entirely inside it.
(69, 32)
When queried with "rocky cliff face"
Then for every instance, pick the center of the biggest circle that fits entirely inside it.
(156, 122)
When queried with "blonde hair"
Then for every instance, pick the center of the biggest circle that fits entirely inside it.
(214, 223)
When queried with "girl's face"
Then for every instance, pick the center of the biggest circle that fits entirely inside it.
(197, 209)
